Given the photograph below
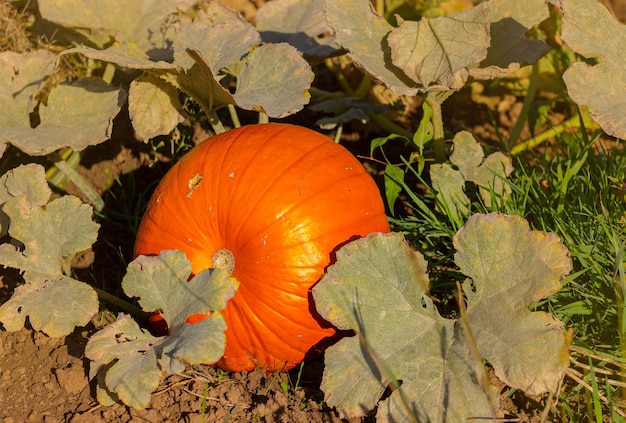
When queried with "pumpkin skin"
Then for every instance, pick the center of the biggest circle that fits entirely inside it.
(281, 199)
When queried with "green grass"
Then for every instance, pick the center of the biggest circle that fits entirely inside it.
(575, 190)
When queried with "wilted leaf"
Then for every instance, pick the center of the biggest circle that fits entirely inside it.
(129, 362)
(220, 44)
(145, 22)
(510, 49)
(153, 106)
(126, 54)
(77, 115)
(363, 33)
(437, 53)
(301, 23)
(21, 75)
(274, 79)
(378, 288)
(591, 31)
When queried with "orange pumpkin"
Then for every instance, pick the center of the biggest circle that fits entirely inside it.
(279, 199)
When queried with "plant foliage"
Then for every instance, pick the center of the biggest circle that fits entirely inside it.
(379, 288)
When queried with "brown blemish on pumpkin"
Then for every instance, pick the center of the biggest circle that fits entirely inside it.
(193, 183)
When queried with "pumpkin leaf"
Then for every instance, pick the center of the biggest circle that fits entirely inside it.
(75, 115)
(146, 22)
(43, 244)
(161, 284)
(488, 174)
(510, 20)
(41, 301)
(301, 23)
(215, 42)
(126, 54)
(362, 32)
(21, 76)
(28, 181)
(154, 106)
(378, 287)
(511, 267)
(128, 361)
(274, 79)
(587, 26)
(438, 54)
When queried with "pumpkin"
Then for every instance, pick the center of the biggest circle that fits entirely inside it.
(271, 202)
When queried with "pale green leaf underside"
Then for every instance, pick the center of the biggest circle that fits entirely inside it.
(438, 54)
(378, 288)
(510, 49)
(591, 31)
(21, 75)
(362, 32)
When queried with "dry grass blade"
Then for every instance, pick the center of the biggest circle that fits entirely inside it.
(606, 376)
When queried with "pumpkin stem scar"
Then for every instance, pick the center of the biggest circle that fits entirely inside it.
(223, 259)
(193, 183)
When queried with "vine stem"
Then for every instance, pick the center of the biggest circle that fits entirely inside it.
(435, 99)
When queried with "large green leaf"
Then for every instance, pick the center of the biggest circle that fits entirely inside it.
(378, 287)
(128, 361)
(591, 31)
